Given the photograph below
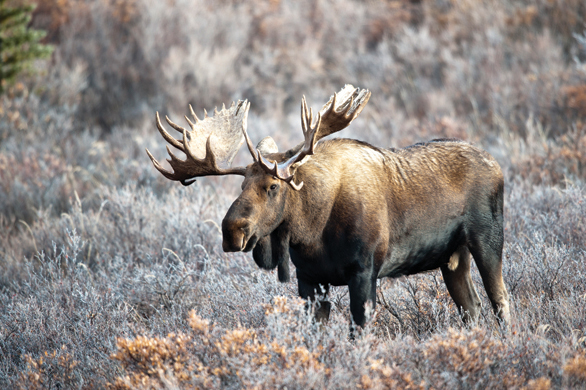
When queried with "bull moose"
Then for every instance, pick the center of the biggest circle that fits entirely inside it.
(348, 213)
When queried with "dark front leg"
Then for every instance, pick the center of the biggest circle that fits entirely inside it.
(362, 288)
(308, 291)
(262, 253)
(273, 251)
(280, 249)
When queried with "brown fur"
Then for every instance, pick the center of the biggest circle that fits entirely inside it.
(366, 213)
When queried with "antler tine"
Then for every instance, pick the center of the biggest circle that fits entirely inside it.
(309, 131)
(197, 120)
(346, 111)
(280, 170)
(166, 173)
(266, 164)
(332, 106)
(166, 135)
(191, 124)
(173, 124)
(304, 124)
(361, 98)
(251, 148)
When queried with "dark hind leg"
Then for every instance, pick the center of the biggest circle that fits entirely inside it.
(459, 283)
(487, 251)
(308, 291)
(362, 288)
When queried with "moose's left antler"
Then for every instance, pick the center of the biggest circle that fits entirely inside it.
(335, 115)
(281, 170)
(342, 109)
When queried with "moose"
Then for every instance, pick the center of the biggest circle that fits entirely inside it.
(349, 213)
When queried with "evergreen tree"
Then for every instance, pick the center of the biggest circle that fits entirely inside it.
(19, 45)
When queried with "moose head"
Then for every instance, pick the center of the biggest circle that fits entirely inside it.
(269, 186)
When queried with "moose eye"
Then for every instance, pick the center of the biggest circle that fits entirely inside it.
(273, 187)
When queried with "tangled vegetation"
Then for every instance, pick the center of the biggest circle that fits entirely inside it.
(113, 277)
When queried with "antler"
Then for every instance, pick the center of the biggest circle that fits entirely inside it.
(342, 109)
(335, 115)
(223, 135)
(228, 130)
(282, 170)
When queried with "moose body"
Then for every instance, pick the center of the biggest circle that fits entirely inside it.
(370, 213)
(362, 213)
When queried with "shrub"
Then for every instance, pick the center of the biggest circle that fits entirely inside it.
(110, 276)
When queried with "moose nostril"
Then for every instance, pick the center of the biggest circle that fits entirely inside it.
(240, 225)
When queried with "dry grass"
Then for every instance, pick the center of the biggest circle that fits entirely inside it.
(112, 277)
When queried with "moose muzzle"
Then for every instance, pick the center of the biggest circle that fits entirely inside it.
(237, 236)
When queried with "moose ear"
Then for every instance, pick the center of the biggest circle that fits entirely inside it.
(267, 146)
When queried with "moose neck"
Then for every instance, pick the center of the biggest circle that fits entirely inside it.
(308, 209)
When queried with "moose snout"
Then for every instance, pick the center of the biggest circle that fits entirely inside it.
(235, 234)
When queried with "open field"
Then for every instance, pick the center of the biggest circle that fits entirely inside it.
(113, 277)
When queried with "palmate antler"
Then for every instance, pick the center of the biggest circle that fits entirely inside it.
(212, 143)
(342, 109)
(335, 115)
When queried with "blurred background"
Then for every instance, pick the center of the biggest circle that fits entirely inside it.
(81, 204)
(508, 76)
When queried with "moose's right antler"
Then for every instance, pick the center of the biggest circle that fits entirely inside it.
(211, 142)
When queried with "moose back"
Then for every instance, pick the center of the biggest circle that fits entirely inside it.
(348, 213)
